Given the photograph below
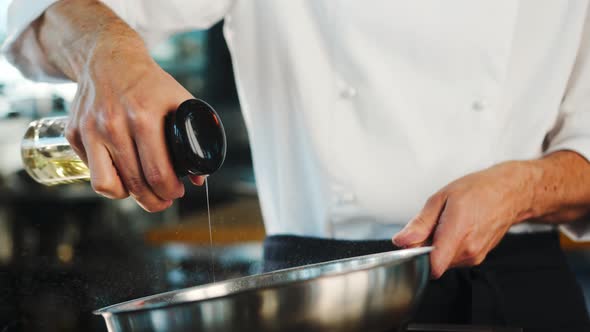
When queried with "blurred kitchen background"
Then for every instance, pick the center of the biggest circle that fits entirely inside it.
(65, 251)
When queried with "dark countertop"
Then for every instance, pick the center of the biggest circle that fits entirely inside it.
(66, 252)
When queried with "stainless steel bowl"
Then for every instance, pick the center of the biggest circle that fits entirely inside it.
(366, 293)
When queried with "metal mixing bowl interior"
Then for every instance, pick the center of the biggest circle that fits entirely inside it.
(265, 280)
(353, 294)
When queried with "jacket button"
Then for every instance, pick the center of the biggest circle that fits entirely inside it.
(479, 105)
(345, 90)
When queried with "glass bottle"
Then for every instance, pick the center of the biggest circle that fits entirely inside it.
(194, 135)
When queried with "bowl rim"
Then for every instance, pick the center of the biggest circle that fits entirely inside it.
(223, 289)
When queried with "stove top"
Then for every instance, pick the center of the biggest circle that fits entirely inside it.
(458, 328)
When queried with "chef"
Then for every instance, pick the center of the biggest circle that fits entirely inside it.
(461, 124)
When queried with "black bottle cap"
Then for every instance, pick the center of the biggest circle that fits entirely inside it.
(196, 138)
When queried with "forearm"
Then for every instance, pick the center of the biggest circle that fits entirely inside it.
(78, 34)
(561, 187)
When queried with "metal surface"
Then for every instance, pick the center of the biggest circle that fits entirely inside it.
(366, 293)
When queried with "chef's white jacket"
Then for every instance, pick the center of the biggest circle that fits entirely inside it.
(358, 111)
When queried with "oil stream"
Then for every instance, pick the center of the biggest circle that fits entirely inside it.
(212, 265)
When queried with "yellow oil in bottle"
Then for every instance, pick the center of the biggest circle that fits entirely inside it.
(47, 155)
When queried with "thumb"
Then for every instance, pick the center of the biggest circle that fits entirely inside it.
(421, 226)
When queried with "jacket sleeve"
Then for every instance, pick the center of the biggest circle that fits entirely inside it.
(154, 20)
(572, 128)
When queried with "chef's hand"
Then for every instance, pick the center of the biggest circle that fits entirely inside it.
(117, 128)
(468, 217)
(123, 96)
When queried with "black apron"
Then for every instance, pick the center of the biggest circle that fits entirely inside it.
(524, 282)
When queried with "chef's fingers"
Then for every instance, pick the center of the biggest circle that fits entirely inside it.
(74, 138)
(419, 229)
(155, 159)
(447, 239)
(475, 247)
(72, 130)
(471, 252)
(103, 175)
(126, 159)
(197, 180)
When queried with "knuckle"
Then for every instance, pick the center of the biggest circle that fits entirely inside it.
(478, 260)
(436, 270)
(156, 177)
(107, 119)
(103, 187)
(470, 262)
(109, 126)
(419, 221)
(134, 102)
(437, 267)
(140, 122)
(434, 199)
(72, 134)
(135, 185)
(472, 250)
(440, 196)
(87, 123)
